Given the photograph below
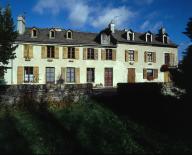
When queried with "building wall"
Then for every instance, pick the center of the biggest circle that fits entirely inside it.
(120, 67)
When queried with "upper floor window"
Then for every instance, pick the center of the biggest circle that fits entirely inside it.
(148, 37)
(90, 53)
(167, 58)
(149, 56)
(69, 35)
(50, 51)
(131, 55)
(34, 33)
(108, 54)
(52, 34)
(71, 52)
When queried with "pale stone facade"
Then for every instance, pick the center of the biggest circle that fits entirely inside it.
(118, 62)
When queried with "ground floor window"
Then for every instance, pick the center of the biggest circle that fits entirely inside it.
(150, 74)
(70, 74)
(50, 75)
(28, 74)
(90, 74)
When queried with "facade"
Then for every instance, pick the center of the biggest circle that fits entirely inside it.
(104, 59)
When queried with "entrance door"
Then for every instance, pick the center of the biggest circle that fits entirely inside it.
(167, 76)
(108, 77)
(131, 75)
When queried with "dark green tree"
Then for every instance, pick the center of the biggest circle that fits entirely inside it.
(8, 35)
(183, 76)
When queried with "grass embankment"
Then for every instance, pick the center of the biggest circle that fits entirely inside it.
(82, 128)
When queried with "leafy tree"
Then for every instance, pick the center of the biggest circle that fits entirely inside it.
(8, 35)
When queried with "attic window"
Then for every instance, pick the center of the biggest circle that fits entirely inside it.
(69, 35)
(148, 37)
(52, 34)
(34, 33)
(130, 36)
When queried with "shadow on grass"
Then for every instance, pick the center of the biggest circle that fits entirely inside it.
(11, 140)
(59, 139)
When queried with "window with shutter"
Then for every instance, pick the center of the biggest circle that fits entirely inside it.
(90, 53)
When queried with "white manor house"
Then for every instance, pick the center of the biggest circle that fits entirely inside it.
(49, 55)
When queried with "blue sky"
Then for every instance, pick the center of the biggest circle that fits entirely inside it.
(94, 15)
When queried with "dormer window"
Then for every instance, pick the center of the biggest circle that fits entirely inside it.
(105, 39)
(34, 33)
(69, 35)
(130, 35)
(51, 34)
(148, 37)
(165, 39)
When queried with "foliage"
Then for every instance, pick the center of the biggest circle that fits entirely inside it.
(8, 36)
(188, 29)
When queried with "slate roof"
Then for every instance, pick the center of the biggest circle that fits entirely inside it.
(87, 38)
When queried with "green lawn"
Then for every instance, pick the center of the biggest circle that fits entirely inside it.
(82, 128)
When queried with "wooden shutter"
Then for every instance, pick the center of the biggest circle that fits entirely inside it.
(114, 54)
(76, 53)
(103, 54)
(172, 59)
(77, 75)
(56, 52)
(96, 54)
(145, 56)
(144, 73)
(155, 73)
(65, 54)
(126, 55)
(43, 52)
(36, 74)
(84, 53)
(30, 51)
(154, 57)
(136, 55)
(26, 49)
(63, 73)
(20, 74)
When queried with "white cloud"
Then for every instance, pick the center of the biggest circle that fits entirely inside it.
(78, 10)
(153, 27)
(121, 15)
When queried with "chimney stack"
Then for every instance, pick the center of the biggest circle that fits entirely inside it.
(21, 24)
(112, 26)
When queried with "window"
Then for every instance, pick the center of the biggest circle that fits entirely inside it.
(165, 40)
(71, 52)
(130, 36)
(34, 33)
(90, 74)
(105, 39)
(69, 35)
(90, 53)
(50, 51)
(167, 58)
(131, 55)
(150, 74)
(1, 73)
(108, 54)
(149, 56)
(70, 74)
(28, 74)
(148, 37)
(50, 75)
(52, 34)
